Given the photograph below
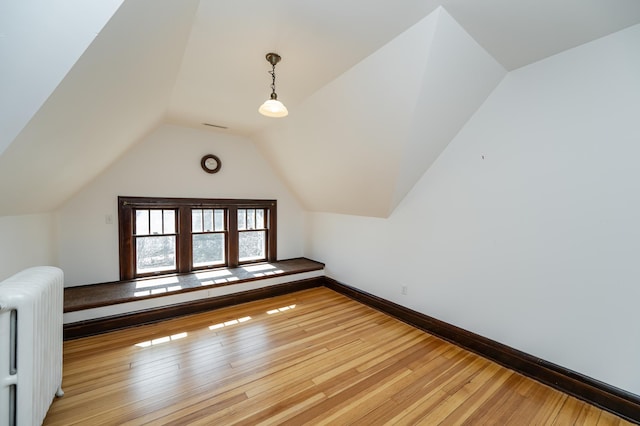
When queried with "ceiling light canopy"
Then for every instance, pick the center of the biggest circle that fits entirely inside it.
(273, 107)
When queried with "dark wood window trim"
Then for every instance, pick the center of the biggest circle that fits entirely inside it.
(183, 206)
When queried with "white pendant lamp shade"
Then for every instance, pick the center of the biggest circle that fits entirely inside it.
(273, 107)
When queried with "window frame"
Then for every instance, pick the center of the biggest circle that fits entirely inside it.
(126, 224)
(224, 232)
(248, 229)
(136, 235)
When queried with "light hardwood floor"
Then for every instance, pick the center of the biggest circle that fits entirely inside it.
(312, 357)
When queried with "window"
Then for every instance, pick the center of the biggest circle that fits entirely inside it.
(165, 235)
(155, 240)
(208, 236)
(251, 234)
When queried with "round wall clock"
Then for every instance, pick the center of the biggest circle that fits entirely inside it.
(211, 163)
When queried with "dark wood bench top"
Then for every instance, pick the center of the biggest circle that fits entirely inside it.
(96, 295)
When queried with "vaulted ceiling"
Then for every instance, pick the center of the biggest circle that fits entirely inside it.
(375, 89)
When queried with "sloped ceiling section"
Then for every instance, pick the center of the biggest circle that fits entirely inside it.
(460, 75)
(224, 75)
(37, 56)
(518, 33)
(375, 89)
(360, 143)
(116, 92)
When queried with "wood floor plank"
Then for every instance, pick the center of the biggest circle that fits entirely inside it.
(466, 395)
(312, 357)
(569, 413)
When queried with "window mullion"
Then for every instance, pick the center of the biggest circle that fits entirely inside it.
(184, 239)
(232, 234)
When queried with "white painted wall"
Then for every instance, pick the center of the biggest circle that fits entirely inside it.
(167, 164)
(26, 241)
(537, 244)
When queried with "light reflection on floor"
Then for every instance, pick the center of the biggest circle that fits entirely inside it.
(217, 326)
(160, 340)
(283, 309)
(228, 323)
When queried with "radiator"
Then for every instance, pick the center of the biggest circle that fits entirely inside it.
(31, 304)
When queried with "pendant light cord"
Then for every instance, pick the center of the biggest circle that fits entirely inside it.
(273, 82)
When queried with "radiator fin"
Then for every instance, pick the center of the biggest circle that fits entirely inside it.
(31, 306)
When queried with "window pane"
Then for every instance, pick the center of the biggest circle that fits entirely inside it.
(208, 249)
(207, 220)
(156, 221)
(219, 219)
(251, 219)
(169, 221)
(242, 214)
(196, 220)
(155, 254)
(251, 245)
(142, 222)
(260, 219)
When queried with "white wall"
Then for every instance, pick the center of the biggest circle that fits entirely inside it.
(26, 241)
(167, 164)
(537, 244)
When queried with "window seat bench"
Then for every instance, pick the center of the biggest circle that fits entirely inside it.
(96, 308)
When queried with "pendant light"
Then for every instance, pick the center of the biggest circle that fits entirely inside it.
(273, 107)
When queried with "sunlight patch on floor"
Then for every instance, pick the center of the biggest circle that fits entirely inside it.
(283, 309)
(160, 340)
(228, 323)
